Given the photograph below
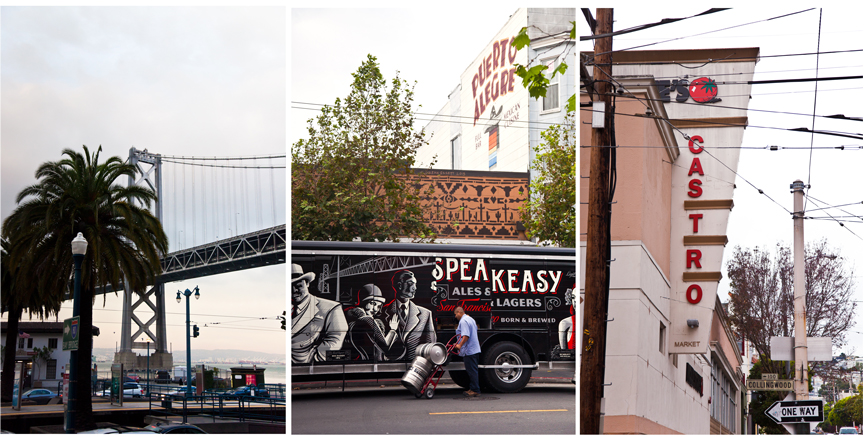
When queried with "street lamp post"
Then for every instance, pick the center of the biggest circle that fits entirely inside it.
(79, 249)
(188, 293)
(148, 368)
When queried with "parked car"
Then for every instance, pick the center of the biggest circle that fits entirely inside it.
(163, 377)
(39, 396)
(132, 389)
(134, 377)
(248, 390)
(847, 430)
(118, 429)
(175, 428)
(179, 392)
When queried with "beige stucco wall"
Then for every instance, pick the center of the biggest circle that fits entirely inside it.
(643, 191)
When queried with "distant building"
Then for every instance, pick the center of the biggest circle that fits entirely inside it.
(489, 121)
(43, 373)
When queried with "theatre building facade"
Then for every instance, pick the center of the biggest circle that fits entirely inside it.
(671, 358)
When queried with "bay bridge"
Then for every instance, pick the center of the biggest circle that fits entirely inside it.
(221, 214)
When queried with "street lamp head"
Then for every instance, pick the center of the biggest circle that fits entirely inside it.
(197, 294)
(79, 245)
(178, 296)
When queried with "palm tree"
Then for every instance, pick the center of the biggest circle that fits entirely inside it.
(19, 293)
(80, 194)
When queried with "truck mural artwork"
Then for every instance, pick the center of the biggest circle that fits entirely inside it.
(383, 300)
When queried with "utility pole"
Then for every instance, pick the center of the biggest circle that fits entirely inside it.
(597, 254)
(801, 384)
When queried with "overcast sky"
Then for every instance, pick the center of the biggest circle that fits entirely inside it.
(177, 81)
(434, 46)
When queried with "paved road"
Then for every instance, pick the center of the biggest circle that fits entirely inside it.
(538, 409)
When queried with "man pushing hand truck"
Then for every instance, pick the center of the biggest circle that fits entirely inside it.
(468, 348)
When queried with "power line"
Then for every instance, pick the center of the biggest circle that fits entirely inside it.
(855, 136)
(745, 58)
(699, 34)
(815, 96)
(649, 25)
(842, 225)
(836, 116)
(769, 81)
(770, 148)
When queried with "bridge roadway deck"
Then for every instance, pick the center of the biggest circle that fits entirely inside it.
(255, 249)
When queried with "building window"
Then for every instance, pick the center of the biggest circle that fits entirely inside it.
(52, 343)
(662, 338)
(723, 397)
(20, 343)
(675, 360)
(550, 102)
(454, 143)
(30, 343)
(51, 369)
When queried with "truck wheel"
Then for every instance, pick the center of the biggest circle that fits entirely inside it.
(505, 380)
(460, 378)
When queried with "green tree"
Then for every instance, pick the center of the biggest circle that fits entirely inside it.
(846, 411)
(79, 194)
(19, 293)
(535, 79)
(550, 211)
(42, 355)
(351, 177)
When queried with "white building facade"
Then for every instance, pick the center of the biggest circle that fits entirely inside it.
(43, 372)
(489, 122)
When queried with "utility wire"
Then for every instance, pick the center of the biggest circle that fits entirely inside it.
(771, 148)
(769, 81)
(815, 96)
(855, 136)
(842, 225)
(649, 25)
(824, 203)
(703, 33)
(742, 58)
(836, 116)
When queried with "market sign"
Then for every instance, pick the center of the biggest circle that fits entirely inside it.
(701, 90)
(71, 333)
(769, 384)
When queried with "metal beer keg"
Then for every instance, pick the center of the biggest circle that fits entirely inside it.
(435, 352)
(416, 375)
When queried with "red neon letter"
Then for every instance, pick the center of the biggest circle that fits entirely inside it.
(695, 218)
(695, 189)
(698, 297)
(693, 148)
(696, 166)
(693, 257)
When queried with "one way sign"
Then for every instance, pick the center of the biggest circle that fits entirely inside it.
(796, 411)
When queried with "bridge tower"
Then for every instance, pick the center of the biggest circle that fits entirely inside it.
(149, 168)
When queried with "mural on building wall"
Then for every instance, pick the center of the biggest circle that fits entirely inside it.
(474, 204)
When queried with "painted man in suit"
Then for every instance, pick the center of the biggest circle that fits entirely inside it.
(415, 322)
(317, 325)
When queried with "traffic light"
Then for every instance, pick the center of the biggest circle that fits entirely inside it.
(195, 331)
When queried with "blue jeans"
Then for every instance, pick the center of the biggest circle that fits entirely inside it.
(471, 362)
